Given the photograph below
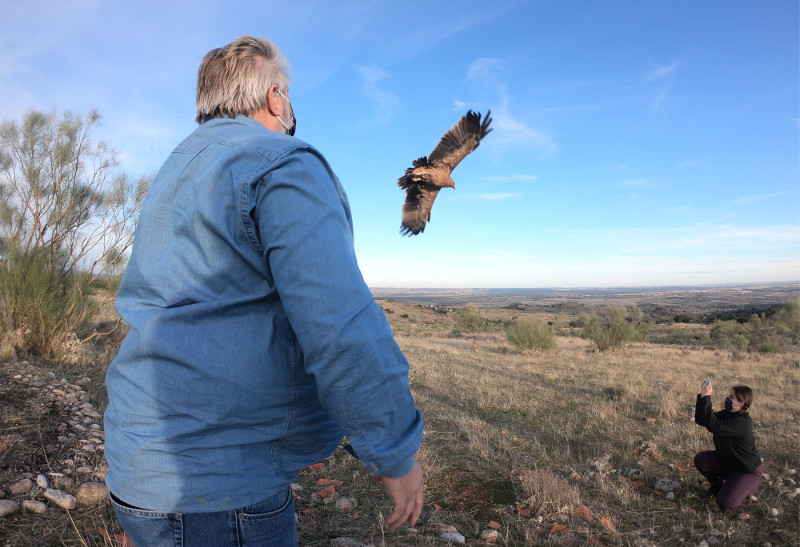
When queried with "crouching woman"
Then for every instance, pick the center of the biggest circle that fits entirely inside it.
(734, 468)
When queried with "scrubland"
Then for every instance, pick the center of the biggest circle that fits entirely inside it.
(561, 447)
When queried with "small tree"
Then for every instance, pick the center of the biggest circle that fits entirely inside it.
(529, 334)
(469, 319)
(64, 220)
(612, 330)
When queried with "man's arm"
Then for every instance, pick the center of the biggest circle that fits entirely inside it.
(347, 344)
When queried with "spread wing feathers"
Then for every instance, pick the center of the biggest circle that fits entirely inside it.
(430, 174)
(462, 139)
(417, 208)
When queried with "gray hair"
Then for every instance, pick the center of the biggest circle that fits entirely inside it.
(236, 79)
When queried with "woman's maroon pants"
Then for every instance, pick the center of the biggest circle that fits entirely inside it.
(736, 487)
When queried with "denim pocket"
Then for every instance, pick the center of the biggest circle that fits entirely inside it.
(270, 522)
(145, 527)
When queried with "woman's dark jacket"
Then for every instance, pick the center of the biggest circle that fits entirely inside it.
(733, 436)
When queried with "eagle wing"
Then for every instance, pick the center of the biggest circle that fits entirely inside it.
(460, 140)
(417, 207)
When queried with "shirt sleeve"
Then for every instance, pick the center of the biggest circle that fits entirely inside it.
(305, 229)
(735, 426)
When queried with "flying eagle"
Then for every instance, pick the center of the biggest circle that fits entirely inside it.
(432, 173)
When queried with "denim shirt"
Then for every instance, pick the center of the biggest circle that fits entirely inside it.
(254, 343)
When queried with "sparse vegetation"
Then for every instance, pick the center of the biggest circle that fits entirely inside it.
(526, 440)
(530, 334)
(611, 330)
(65, 222)
(470, 319)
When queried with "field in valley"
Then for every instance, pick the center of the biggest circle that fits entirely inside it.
(563, 447)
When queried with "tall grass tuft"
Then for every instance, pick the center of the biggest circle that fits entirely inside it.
(43, 304)
(530, 334)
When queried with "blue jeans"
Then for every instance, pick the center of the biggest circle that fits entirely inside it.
(270, 522)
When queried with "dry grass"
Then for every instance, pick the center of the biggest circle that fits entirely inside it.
(525, 440)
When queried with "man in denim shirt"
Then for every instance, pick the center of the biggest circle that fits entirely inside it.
(254, 343)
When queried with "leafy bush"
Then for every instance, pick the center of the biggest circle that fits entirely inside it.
(470, 319)
(612, 330)
(787, 320)
(729, 334)
(528, 334)
(65, 223)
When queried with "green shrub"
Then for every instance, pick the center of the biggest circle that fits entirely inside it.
(612, 330)
(729, 334)
(470, 319)
(787, 320)
(528, 334)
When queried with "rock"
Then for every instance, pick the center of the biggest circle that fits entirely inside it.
(91, 493)
(34, 506)
(715, 533)
(667, 485)
(633, 474)
(489, 534)
(345, 504)
(670, 496)
(2, 494)
(21, 487)
(712, 541)
(703, 543)
(84, 470)
(453, 537)
(773, 512)
(7, 507)
(41, 482)
(60, 498)
(744, 516)
(753, 498)
(296, 487)
(444, 528)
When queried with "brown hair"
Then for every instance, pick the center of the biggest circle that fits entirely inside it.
(745, 395)
(235, 79)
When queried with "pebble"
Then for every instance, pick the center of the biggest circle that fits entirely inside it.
(60, 498)
(773, 512)
(21, 487)
(489, 534)
(670, 496)
(453, 537)
(34, 506)
(7, 507)
(667, 485)
(712, 541)
(91, 493)
(445, 528)
(716, 533)
(345, 504)
(744, 516)
(41, 482)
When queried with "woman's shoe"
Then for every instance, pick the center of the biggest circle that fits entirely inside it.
(712, 491)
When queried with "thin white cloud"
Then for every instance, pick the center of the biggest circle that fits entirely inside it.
(643, 182)
(662, 78)
(759, 197)
(385, 103)
(528, 178)
(490, 196)
(661, 73)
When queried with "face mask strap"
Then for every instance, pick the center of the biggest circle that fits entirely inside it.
(290, 129)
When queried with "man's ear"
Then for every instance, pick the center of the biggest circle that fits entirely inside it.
(274, 101)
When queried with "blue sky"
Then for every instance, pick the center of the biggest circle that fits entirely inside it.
(634, 143)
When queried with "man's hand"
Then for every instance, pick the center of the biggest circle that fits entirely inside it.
(706, 389)
(407, 497)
